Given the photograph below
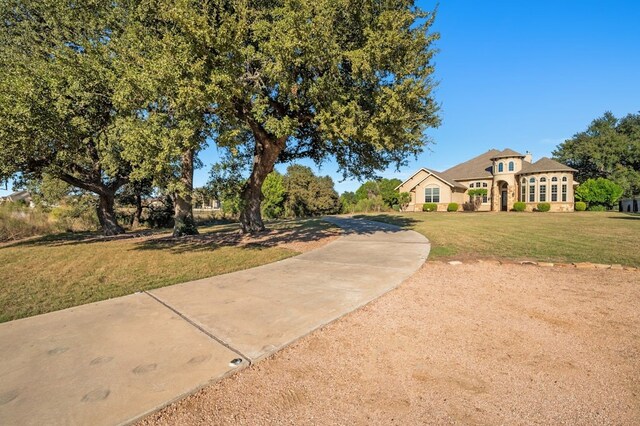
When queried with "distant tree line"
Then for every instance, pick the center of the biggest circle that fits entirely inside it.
(297, 193)
(374, 196)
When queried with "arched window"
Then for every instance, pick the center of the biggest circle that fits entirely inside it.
(532, 190)
(432, 194)
(500, 168)
(511, 166)
(543, 179)
(564, 178)
(554, 179)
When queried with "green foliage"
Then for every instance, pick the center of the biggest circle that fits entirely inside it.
(519, 206)
(372, 204)
(599, 191)
(597, 208)
(47, 190)
(404, 199)
(543, 207)
(348, 202)
(479, 192)
(452, 207)
(580, 206)
(383, 187)
(429, 207)
(609, 148)
(57, 87)
(308, 194)
(274, 196)
(226, 180)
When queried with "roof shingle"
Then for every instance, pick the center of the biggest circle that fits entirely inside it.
(545, 165)
(476, 168)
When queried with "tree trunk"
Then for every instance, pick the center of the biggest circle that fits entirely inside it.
(265, 156)
(107, 214)
(184, 224)
(138, 214)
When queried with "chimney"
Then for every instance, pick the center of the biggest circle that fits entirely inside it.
(527, 157)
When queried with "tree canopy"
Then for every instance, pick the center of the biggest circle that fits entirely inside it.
(57, 80)
(609, 148)
(345, 79)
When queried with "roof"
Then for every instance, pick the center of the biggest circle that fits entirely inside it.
(476, 168)
(17, 196)
(446, 178)
(439, 175)
(507, 153)
(545, 165)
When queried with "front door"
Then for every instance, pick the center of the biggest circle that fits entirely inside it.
(503, 201)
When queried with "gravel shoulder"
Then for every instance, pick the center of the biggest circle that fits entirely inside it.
(466, 344)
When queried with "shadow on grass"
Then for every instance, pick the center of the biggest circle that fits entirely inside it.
(75, 238)
(280, 233)
(392, 219)
(627, 216)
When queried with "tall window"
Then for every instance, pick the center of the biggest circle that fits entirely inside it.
(523, 190)
(485, 199)
(432, 194)
(510, 166)
(554, 191)
(543, 193)
(532, 190)
(564, 192)
(500, 168)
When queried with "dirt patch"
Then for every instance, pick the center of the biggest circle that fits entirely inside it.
(469, 344)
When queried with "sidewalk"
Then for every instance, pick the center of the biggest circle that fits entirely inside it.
(114, 361)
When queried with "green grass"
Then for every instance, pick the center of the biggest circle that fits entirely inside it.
(60, 271)
(598, 237)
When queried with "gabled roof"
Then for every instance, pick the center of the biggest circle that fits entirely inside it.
(545, 165)
(477, 168)
(507, 153)
(445, 177)
(438, 175)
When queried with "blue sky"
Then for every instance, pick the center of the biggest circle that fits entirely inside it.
(523, 75)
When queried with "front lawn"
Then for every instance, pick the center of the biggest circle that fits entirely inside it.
(56, 272)
(598, 237)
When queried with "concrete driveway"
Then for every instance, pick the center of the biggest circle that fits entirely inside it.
(114, 361)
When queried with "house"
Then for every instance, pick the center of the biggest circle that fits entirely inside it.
(20, 196)
(507, 175)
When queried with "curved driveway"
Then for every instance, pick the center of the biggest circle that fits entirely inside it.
(114, 361)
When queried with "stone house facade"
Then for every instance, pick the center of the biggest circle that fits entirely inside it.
(507, 175)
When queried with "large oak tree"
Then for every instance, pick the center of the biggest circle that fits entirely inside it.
(348, 79)
(56, 97)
